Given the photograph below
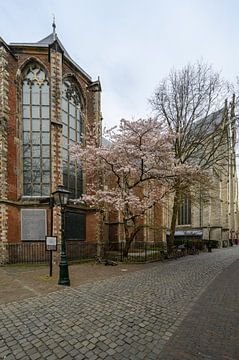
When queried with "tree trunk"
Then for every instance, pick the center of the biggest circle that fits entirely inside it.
(130, 233)
(128, 240)
(126, 248)
(170, 241)
(99, 231)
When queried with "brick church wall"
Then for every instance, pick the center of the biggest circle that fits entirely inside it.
(13, 60)
(4, 117)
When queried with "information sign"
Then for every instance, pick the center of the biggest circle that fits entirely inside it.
(51, 243)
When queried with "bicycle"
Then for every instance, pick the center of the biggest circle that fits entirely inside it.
(106, 262)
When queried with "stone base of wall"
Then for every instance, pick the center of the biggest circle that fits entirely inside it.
(3, 254)
(3, 233)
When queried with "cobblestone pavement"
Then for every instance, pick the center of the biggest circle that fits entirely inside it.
(126, 318)
(211, 329)
(18, 282)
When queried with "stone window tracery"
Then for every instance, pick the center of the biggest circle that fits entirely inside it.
(72, 133)
(36, 132)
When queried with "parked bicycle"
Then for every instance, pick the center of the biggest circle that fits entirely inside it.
(105, 262)
(193, 251)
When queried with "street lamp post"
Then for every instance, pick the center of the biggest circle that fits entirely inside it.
(61, 197)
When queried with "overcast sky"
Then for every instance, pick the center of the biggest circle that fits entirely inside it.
(131, 44)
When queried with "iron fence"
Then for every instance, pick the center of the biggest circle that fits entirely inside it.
(137, 252)
(35, 252)
(79, 250)
(190, 243)
(27, 253)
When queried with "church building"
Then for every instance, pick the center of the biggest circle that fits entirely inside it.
(47, 103)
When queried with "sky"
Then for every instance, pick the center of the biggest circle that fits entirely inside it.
(131, 44)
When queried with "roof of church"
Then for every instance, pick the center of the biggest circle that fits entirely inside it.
(48, 40)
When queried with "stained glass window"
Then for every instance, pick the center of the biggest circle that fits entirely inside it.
(72, 133)
(36, 132)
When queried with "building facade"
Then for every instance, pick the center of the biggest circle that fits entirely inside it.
(217, 219)
(47, 103)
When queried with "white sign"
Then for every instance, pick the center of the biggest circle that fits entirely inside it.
(51, 243)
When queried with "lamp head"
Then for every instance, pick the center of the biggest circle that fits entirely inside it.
(61, 196)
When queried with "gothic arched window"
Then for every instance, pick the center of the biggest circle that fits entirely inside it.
(72, 131)
(36, 132)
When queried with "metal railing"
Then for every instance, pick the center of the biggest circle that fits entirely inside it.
(35, 252)
(27, 253)
(137, 252)
(79, 250)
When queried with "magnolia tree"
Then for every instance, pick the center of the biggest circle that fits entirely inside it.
(190, 104)
(131, 170)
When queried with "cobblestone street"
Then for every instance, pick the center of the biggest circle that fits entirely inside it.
(156, 313)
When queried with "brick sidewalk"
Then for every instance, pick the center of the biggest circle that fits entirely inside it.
(211, 329)
(19, 282)
(130, 317)
(184, 309)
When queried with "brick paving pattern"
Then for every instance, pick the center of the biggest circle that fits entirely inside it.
(126, 318)
(210, 331)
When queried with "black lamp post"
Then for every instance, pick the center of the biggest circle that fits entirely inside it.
(61, 197)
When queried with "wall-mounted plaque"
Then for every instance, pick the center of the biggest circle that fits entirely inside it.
(33, 224)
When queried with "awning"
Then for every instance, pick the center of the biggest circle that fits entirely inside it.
(196, 232)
